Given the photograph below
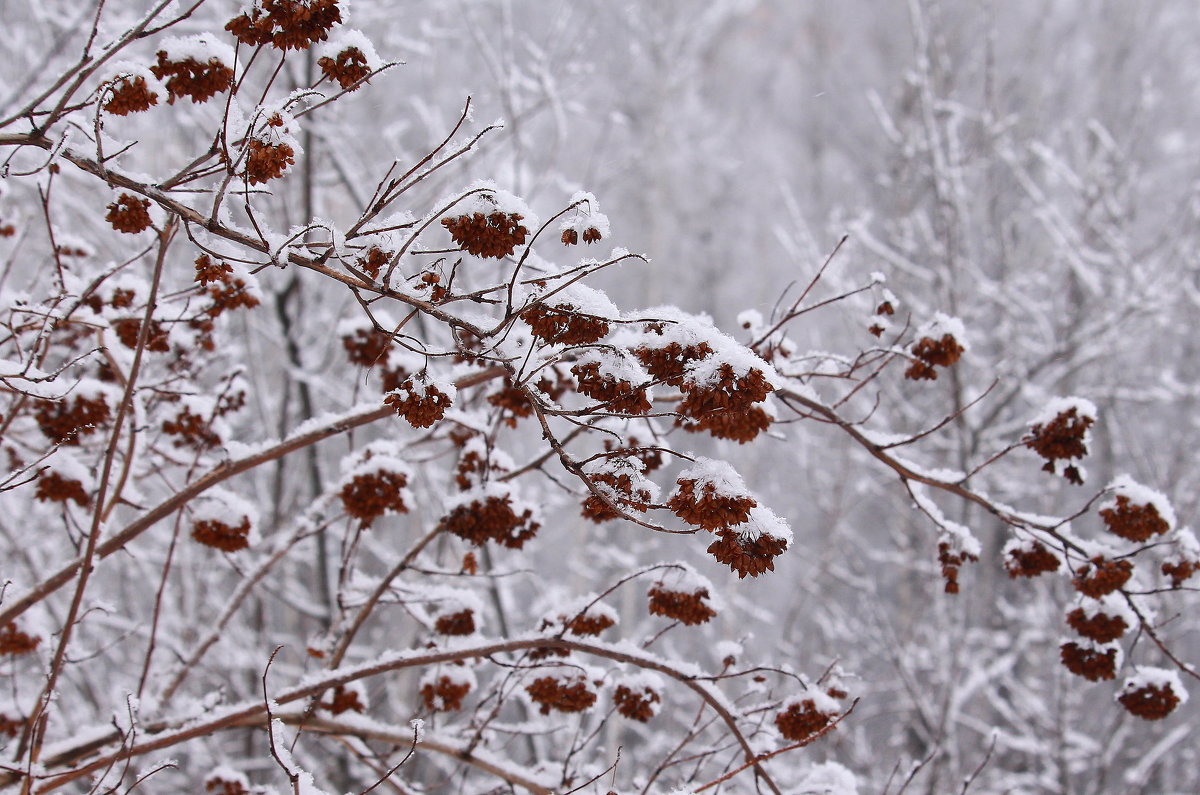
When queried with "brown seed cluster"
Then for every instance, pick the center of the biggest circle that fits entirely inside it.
(460, 623)
(726, 409)
(342, 699)
(563, 324)
(13, 641)
(636, 704)
(1061, 439)
(951, 560)
(191, 430)
(373, 261)
(801, 720)
(616, 395)
(444, 694)
(223, 786)
(599, 511)
(513, 401)
(129, 214)
(929, 353)
(491, 519)
(669, 362)
(591, 234)
(1092, 664)
(686, 607)
(10, 726)
(1179, 570)
(421, 409)
(286, 24)
(565, 693)
(367, 347)
(157, 336)
(130, 95)
(1150, 702)
(753, 556)
(346, 68)
(192, 79)
(1101, 576)
(1031, 561)
(372, 494)
(587, 624)
(496, 234)
(1133, 522)
(53, 487)
(218, 535)
(65, 421)
(710, 510)
(226, 290)
(1100, 627)
(267, 161)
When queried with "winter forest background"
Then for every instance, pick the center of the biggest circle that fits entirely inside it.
(228, 565)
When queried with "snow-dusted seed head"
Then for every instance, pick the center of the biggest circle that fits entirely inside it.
(444, 687)
(196, 67)
(1135, 512)
(222, 520)
(491, 515)
(421, 401)
(682, 595)
(1059, 434)
(350, 697)
(496, 234)
(1028, 558)
(1101, 576)
(1184, 560)
(1092, 661)
(14, 642)
(711, 495)
(940, 343)
(638, 696)
(564, 690)
(1152, 693)
(224, 780)
(1102, 621)
(376, 486)
(802, 717)
(77, 415)
(286, 24)
(133, 89)
(129, 214)
(348, 59)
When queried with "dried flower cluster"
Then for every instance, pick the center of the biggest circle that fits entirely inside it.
(191, 78)
(710, 509)
(14, 642)
(369, 495)
(346, 68)
(55, 487)
(726, 408)
(65, 421)
(342, 699)
(745, 554)
(802, 719)
(496, 234)
(491, 519)
(1063, 438)
(266, 161)
(1090, 661)
(286, 24)
(614, 394)
(565, 692)
(444, 693)
(219, 784)
(1133, 522)
(130, 94)
(1101, 576)
(219, 535)
(1030, 559)
(1150, 700)
(928, 353)
(636, 703)
(951, 559)
(129, 214)
(461, 622)
(420, 402)
(688, 607)
(1100, 627)
(564, 324)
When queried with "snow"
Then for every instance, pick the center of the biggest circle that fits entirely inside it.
(1061, 405)
(223, 506)
(202, 48)
(764, 521)
(724, 479)
(828, 778)
(944, 324)
(345, 38)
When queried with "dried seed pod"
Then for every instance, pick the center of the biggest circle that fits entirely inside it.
(1059, 434)
(803, 717)
(1028, 558)
(1101, 576)
(1092, 661)
(129, 214)
(14, 642)
(1152, 693)
(565, 691)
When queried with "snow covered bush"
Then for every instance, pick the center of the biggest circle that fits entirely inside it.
(398, 494)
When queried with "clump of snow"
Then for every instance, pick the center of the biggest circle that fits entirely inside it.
(763, 521)
(1110, 605)
(486, 197)
(828, 778)
(201, 48)
(224, 507)
(721, 476)
(586, 216)
(1063, 405)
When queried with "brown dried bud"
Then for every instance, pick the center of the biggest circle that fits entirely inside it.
(1133, 522)
(496, 234)
(636, 703)
(1091, 662)
(1101, 576)
(802, 719)
(130, 95)
(1030, 560)
(565, 693)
